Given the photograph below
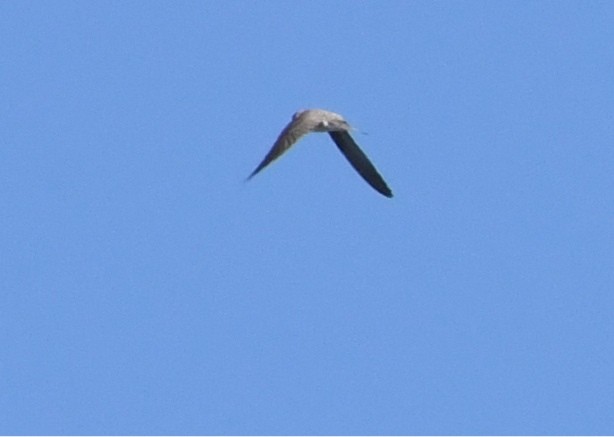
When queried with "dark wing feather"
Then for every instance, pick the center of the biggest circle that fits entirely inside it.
(298, 127)
(360, 162)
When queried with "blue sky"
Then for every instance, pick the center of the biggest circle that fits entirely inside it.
(147, 289)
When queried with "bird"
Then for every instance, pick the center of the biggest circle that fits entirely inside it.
(319, 120)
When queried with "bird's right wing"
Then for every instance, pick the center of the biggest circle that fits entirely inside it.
(298, 127)
(360, 162)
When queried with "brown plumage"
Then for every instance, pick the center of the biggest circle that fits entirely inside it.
(319, 120)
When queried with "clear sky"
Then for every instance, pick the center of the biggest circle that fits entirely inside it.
(147, 289)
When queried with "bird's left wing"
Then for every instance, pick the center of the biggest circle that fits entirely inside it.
(300, 125)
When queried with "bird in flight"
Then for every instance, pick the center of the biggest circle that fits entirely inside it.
(319, 120)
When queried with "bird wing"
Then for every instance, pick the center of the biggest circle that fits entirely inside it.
(298, 127)
(360, 162)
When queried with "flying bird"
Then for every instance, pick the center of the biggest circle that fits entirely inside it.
(319, 120)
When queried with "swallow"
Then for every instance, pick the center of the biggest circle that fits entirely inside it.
(319, 120)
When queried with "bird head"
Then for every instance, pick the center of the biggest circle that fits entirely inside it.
(336, 122)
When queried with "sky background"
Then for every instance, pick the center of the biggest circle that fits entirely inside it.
(145, 288)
